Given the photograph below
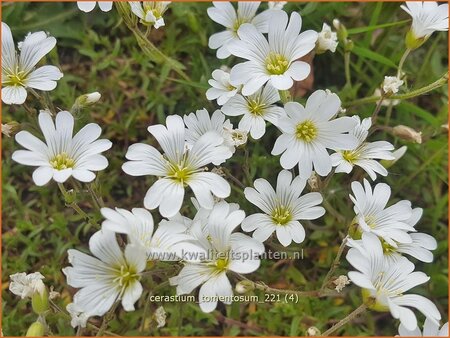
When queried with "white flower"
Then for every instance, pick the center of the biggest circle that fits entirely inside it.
(224, 14)
(276, 4)
(257, 109)
(108, 277)
(18, 71)
(309, 131)
(235, 137)
(178, 167)
(160, 317)
(365, 154)
(78, 316)
(88, 6)
(221, 88)
(327, 40)
(62, 155)
(283, 208)
(227, 251)
(150, 12)
(167, 243)
(430, 329)
(26, 286)
(273, 60)
(200, 123)
(420, 247)
(391, 84)
(428, 17)
(385, 283)
(341, 282)
(390, 224)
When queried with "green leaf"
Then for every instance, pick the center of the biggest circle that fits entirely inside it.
(410, 108)
(360, 30)
(371, 55)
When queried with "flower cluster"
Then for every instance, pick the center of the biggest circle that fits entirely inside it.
(314, 140)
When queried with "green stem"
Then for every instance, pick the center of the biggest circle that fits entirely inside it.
(72, 204)
(108, 317)
(266, 288)
(56, 308)
(98, 201)
(402, 61)
(348, 79)
(377, 109)
(414, 93)
(335, 264)
(346, 320)
(148, 47)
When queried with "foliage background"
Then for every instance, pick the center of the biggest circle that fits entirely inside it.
(98, 53)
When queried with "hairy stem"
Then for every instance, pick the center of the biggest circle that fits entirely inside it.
(72, 204)
(348, 79)
(414, 93)
(335, 264)
(402, 61)
(346, 320)
(266, 288)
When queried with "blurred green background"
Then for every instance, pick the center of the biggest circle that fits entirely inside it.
(97, 52)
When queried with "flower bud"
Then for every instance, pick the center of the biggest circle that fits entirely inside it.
(39, 302)
(244, 286)
(11, 128)
(342, 33)
(408, 134)
(89, 99)
(35, 330)
(313, 331)
(85, 100)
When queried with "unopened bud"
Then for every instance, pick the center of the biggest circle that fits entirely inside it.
(244, 286)
(407, 134)
(39, 302)
(85, 100)
(313, 331)
(11, 128)
(35, 330)
(348, 45)
(89, 99)
(341, 31)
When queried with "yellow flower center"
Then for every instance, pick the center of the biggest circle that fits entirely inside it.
(180, 173)
(276, 64)
(306, 131)
(126, 275)
(350, 156)
(62, 161)
(221, 264)
(370, 221)
(387, 248)
(281, 215)
(239, 21)
(15, 79)
(255, 107)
